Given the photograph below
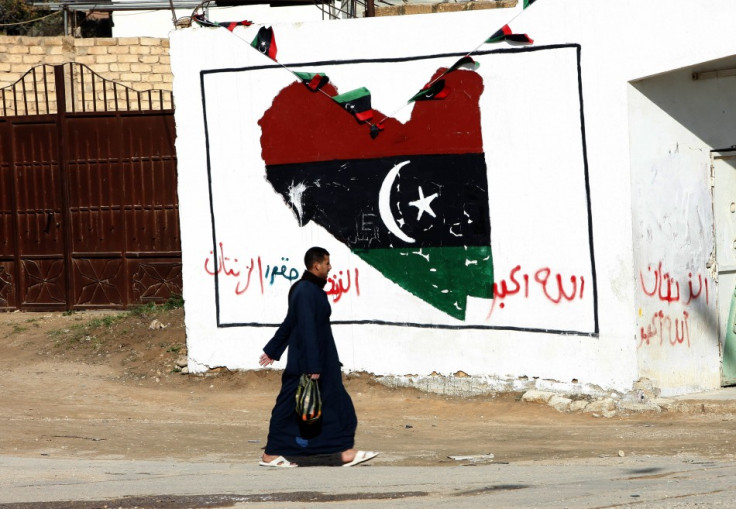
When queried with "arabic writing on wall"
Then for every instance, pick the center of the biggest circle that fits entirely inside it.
(551, 285)
(269, 274)
(670, 326)
(661, 326)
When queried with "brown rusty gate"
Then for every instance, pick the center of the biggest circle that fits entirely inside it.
(88, 199)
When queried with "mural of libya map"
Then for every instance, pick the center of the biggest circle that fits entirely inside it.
(425, 203)
(409, 189)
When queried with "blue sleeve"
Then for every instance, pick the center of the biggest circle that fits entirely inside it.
(307, 331)
(280, 340)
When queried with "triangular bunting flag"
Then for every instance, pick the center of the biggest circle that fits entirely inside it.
(230, 25)
(313, 81)
(357, 102)
(436, 90)
(201, 20)
(505, 34)
(265, 42)
(465, 62)
(527, 3)
(375, 130)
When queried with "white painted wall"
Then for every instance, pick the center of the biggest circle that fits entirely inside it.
(532, 134)
(675, 122)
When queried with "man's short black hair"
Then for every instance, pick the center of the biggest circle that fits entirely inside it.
(314, 255)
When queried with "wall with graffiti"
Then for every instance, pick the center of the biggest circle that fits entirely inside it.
(678, 286)
(486, 229)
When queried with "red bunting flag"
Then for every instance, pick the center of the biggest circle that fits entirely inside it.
(230, 25)
(313, 81)
(505, 34)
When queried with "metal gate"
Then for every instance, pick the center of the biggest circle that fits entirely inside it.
(88, 199)
(723, 178)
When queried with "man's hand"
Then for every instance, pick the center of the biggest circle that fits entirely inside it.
(314, 376)
(264, 360)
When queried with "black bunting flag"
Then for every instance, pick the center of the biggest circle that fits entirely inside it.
(265, 42)
(436, 90)
(465, 62)
(230, 25)
(357, 102)
(201, 20)
(505, 34)
(527, 3)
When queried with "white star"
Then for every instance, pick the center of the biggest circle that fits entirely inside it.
(422, 204)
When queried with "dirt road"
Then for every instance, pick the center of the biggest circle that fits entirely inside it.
(106, 385)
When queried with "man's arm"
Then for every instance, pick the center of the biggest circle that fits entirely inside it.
(280, 340)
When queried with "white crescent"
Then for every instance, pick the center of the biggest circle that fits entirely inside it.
(384, 203)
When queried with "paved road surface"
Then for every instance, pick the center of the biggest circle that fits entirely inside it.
(604, 482)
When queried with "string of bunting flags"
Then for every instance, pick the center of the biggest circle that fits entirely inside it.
(358, 102)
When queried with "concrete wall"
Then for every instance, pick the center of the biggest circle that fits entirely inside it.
(555, 138)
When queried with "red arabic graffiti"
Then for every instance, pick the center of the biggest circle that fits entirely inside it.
(222, 268)
(661, 326)
(337, 288)
(553, 287)
(340, 284)
(665, 287)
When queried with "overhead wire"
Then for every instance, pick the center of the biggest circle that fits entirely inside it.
(29, 20)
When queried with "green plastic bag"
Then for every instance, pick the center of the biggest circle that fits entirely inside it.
(308, 400)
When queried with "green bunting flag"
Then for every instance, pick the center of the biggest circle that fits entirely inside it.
(357, 102)
(313, 81)
(436, 90)
(505, 34)
(265, 42)
(465, 62)
(527, 3)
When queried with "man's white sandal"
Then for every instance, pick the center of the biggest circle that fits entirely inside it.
(361, 457)
(279, 462)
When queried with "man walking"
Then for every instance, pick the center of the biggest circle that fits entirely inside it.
(306, 331)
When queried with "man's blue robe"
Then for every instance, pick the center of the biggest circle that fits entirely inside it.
(306, 331)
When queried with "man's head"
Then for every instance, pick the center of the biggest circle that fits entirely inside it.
(317, 261)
